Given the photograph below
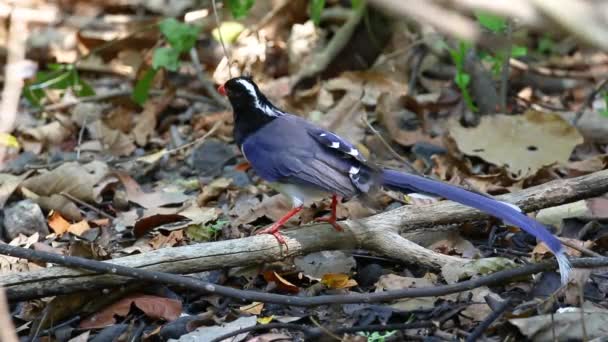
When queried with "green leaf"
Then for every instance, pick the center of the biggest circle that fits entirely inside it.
(462, 79)
(166, 57)
(82, 88)
(518, 51)
(546, 45)
(142, 88)
(316, 8)
(33, 96)
(240, 8)
(492, 22)
(356, 4)
(181, 36)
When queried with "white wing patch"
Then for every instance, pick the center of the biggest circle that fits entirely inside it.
(333, 141)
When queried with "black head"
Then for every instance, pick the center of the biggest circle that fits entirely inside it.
(252, 110)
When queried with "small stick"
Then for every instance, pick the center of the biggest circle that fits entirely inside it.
(85, 204)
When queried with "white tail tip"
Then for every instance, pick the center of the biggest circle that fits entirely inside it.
(565, 268)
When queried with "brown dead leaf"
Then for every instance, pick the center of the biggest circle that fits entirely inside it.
(10, 264)
(55, 202)
(213, 190)
(153, 306)
(522, 143)
(403, 119)
(254, 308)
(250, 209)
(60, 225)
(76, 179)
(162, 241)
(282, 283)
(115, 141)
(53, 133)
(146, 122)
(8, 184)
(541, 251)
(454, 244)
(148, 200)
(148, 223)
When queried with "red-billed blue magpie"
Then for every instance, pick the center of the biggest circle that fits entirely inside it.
(307, 163)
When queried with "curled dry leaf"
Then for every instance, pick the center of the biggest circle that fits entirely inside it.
(115, 141)
(76, 179)
(60, 225)
(338, 281)
(401, 116)
(521, 143)
(155, 199)
(282, 283)
(8, 184)
(568, 324)
(146, 122)
(153, 306)
(53, 133)
(213, 190)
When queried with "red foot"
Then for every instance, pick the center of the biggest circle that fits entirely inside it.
(332, 217)
(274, 229)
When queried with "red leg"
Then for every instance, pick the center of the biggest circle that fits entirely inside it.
(274, 229)
(332, 217)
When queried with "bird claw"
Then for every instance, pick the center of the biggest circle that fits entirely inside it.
(331, 220)
(274, 231)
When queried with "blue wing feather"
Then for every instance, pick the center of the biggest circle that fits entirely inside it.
(282, 151)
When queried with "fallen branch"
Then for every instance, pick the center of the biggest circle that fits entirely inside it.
(385, 234)
(501, 277)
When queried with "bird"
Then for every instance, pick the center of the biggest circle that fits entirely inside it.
(307, 163)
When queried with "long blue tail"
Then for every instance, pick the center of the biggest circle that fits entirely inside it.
(504, 211)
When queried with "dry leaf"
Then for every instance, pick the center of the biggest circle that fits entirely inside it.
(281, 282)
(153, 306)
(521, 143)
(148, 200)
(74, 178)
(338, 281)
(254, 308)
(8, 184)
(146, 122)
(58, 224)
(115, 141)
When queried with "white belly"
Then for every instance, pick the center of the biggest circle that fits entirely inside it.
(300, 195)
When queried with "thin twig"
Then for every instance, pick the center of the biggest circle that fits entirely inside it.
(500, 277)
(218, 23)
(485, 324)
(589, 101)
(88, 206)
(312, 333)
(200, 74)
(324, 329)
(383, 141)
(583, 250)
(505, 72)
(186, 145)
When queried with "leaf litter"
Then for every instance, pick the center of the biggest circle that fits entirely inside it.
(111, 177)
